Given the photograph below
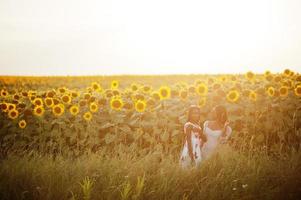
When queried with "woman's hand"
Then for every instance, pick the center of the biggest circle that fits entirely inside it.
(192, 161)
(197, 129)
(224, 130)
(226, 124)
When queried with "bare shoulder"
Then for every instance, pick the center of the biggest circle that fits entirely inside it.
(206, 123)
(187, 125)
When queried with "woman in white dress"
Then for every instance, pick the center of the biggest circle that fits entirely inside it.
(191, 153)
(217, 131)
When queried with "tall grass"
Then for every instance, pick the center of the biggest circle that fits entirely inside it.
(229, 174)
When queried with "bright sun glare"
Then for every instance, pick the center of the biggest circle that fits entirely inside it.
(148, 37)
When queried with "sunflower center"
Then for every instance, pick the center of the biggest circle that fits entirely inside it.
(13, 114)
(39, 110)
(232, 95)
(116, 104)
(57, 109)
(48, 102)
(140, 106)
(164, 93)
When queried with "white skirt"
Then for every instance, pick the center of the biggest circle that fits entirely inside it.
(185, 160)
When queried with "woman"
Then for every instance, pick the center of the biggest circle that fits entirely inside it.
(217, 130)
(191, 153)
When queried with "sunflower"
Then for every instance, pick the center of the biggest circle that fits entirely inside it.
(116, 92)
(56, 101)
(222, 78)
(82, 103)
(196, 82)
(289, 84)
(22, 123)
(252, 95)
(87, 96)
(48, 102)
(202, 102)
(164, 92)
(271, 91)
(24, 94)
(277, 78)
(287, 72)
(66, 99)
(4, 107)
(202, 89)
(116, 103)
(38, 102)
(269, 77)
(96, 86)
(75, 94)
(58, 109)
(216, 86)
(11, 106)
(146, 89)
(16, 97)
(13, 114)
(138, 97)
(233, 78)
(4, 93)
(140, 105)
(114, 84)
(31, 93)
(298, 91)
(62, 90)
(93, 107)
(74, 110)
(38, 111)
(183, 94)
(50, 94)
(174, 93)
(267, 73)
(250, 75)
(283, 91)
(150, 102)
(210, 81)
(134, 87)
(87, 116)
(233, 96)
(102, 101)
(128, 106)
(89, 89)
(109, 94)
(192, 89)
(156, 96)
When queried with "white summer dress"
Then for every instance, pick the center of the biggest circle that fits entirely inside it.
(213, 139)
(185, 159)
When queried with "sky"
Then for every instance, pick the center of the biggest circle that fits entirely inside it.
(97, 37)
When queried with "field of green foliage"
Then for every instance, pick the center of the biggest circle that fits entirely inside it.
(120, 137)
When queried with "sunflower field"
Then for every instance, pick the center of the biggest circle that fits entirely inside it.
(77, 116)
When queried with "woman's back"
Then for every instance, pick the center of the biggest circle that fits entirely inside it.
(213, 139)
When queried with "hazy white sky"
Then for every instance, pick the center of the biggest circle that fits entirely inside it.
(86, 37)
